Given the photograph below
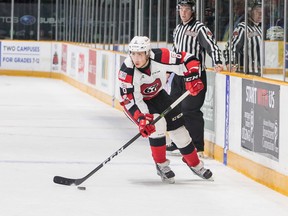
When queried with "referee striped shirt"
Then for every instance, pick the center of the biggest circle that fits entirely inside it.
(254, 40)
(194, 37)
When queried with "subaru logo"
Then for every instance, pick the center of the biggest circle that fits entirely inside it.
(27, 20)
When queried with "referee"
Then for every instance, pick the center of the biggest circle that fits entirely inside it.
(254, 40)
(194, 37)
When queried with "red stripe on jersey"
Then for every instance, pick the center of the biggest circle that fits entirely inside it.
(183, 54)
(165, 57)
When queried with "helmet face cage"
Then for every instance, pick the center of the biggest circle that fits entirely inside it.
(140, 44)
(186, 2)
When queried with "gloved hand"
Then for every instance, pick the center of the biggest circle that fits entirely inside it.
(145, 128)
(194, 86)
(192, 78)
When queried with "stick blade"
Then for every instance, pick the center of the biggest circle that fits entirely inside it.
(64, 181)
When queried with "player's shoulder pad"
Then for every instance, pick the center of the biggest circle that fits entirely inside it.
(126, 70)
(161, 55)
(127, 66)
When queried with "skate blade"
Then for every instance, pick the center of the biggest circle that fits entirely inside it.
(202, 177)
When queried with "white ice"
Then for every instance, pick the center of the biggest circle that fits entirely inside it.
(48, 128)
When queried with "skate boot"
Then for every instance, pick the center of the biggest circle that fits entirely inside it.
(172, 149)
(200, 170)
(164, 171)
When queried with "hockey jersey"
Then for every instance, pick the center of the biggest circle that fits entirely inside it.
(140, 84)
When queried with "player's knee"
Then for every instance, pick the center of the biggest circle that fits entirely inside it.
(180, 137)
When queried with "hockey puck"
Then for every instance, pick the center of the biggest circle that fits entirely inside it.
(81, 188)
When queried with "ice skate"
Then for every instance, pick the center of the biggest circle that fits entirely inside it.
(200, 170)
(172, 149)
(164, 171)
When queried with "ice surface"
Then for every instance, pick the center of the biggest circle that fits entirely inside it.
(48, 128)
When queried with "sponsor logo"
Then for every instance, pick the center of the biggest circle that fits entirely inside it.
(27, 20)
(191, 33)
(253, 34)
(209, 33)
(155, 72)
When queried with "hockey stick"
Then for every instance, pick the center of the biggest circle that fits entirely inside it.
(70, 181)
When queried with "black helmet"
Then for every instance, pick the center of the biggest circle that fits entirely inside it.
(190, 2)
(187, 2)
(254, 4)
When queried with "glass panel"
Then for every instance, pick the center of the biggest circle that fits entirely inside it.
(209, 15)
(243, 52)
(172, 20)
(5, 19)
(273, 39)
(25, 20)
(61, 20)
(238, 16)
(47, 19)
(223, 20)
(154, 13)
(146, 18)
(163, 20)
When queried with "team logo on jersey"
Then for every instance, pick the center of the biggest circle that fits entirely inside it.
(235, 33)
(209, 33)
(191, 33)
(150, 90)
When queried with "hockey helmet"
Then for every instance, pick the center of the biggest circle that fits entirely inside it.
(187, 2)
(190, 2)
(140, 44)
(253, 4)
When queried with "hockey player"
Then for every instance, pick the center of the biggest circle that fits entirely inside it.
(141, 80)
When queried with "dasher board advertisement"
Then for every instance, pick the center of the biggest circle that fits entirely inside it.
(17, 55)
(260, 118)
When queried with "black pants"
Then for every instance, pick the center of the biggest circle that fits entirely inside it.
(160, 103)
(191, 108)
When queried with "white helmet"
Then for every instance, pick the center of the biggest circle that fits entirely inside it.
(140, 44)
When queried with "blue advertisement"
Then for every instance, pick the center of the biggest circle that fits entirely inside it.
(227, 110)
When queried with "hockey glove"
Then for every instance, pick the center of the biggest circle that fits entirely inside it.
(145, 128)
(192, 78)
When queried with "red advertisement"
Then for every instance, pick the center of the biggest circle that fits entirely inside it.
(64, 58)
(81, 63)
(92, 67)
